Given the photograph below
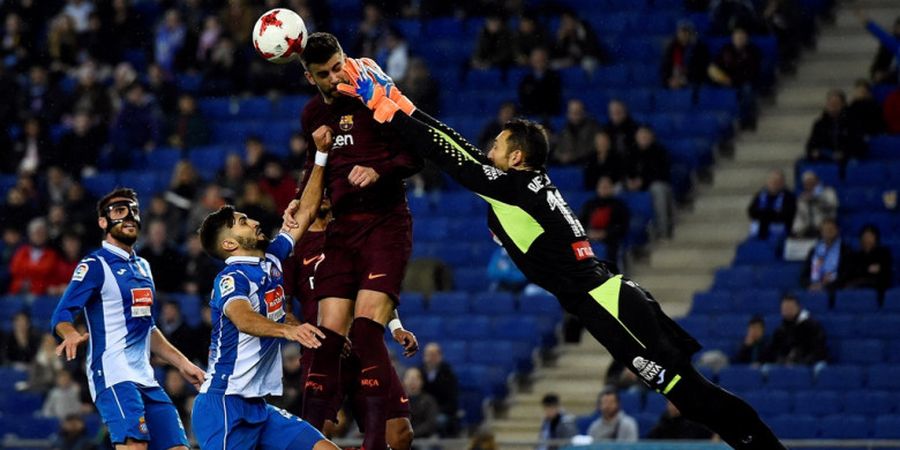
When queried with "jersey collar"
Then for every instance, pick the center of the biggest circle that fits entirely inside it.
(243, 260)
(118, 251)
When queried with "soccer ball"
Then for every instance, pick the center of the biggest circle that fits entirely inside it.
(279, 36)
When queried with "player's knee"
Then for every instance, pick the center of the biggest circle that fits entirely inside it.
(336, 314)
(399, 434)
(374, 305)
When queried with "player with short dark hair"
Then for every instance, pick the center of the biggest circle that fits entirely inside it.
(113, 288)
(548, 244)
(367, 246)
(249, 325)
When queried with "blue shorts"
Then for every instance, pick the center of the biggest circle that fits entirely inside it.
(140, 413)
(223, 422)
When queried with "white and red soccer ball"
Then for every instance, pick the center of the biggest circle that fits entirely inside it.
(280, 36)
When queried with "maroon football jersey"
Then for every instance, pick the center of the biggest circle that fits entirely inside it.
(299, 272)
(360, 140)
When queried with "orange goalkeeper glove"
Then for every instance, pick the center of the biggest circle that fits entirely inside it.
(373, 89)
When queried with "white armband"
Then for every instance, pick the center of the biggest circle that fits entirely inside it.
(321, 158)
(395, 325)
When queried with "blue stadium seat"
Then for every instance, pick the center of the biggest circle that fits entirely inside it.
(444, 27)
(668, 100)
(892, 300)
(789, 378)
(471, 402)
(654, 403)
(729, 326)
(817, 403)
(449, 303)
(741, 378)
(584, 422)
(485, 79)
(784, 276)
(866, 174)
(815, 302)
(163, 159)
(769, 402)
(567, 178)
(856, 301)
(699, 326)
(885, 377)
(453, 254)
(255, 108)
(715, 301)
(840, 377)
(428, 328)
(493, 303)
(887, 427)
(841, 326)
(717, 99)
(754, 251)
(23, 403)
(795, 426)
(610, 76)
(468, 328)
(100, 184)
(25, 427)
(844, 426)
(734, 278)
(880, 326)
(540, 304)
(757, 301)
(470, 279)
(869, 402)
(828, 173)
(456, 352)
(207, 160)
(496, 353)
(42, 307)
(412, 304)
(572, 77)
(431, 229)
(644, 75)
(884, 147)
(10, 375)
(893, 350)
(289, 106)
(518, 328)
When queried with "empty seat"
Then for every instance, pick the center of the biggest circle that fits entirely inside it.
(411, 304)
(754, 252)
(717, 301)
(844, 426)
(448, 303)
(817, 403)
(732, 278)
(769, 403)
(816, 302)
(884, 376)
(470, 279)
(455, 352)
(517, 328)
(789, 378)
(540, 304)
(861, 351)
(493, 303)
(468, 327)
(841, 326)
(795, 426)
(839, 377)
(866, 174)
(869, 402)
(887, 427)
(880, 326)
(856, 301)
(757, 301)
(741, 378)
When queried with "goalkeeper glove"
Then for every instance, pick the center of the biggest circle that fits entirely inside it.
(374, 89)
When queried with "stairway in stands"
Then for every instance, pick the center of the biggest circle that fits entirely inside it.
(706, 237)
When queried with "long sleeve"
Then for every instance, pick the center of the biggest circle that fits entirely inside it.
(455, 156)
(887, 40)
(403, 165)
(85, 284)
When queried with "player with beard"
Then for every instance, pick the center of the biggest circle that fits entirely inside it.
(249, 324)
(299, 283)
(367, 245)
(114, 290)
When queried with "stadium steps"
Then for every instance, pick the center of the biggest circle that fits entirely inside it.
(844, 52)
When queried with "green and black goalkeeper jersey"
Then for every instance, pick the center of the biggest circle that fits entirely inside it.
(527, 212)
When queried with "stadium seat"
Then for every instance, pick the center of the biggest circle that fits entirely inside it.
(880, 326)
(795, 426)
(885, 377)
(866, 174)
(697, 325)
(412, 304)
(858, 301)
(790, 378)
(817, 403)
(428, 328)
(869, 402)
(734, 278)
(468, 328)
(654, 403)
(25, 427)
(887, 427)
(815, 302)
(757, 301)
(567, 178)
(884, 147)
(741, 378)
(754, 251)
(11, 375)
(730, 326)
(785, 276)
(456, 352)
(841, 326)
(470, 279)
(840, 377)
(717, 99)
(844, 426)
(712, 302)
(518, 328)
(540, 304)
(584, 422)
(449, 303)
(828, 173)
(493, 303)
(100, 184)
(892, 300)
(669, 100)
(769, 402)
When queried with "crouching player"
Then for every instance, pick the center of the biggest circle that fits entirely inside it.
(249, 324)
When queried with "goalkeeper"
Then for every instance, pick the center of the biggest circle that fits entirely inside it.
(547, 242)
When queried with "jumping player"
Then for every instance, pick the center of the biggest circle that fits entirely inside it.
(114, 290)
(367, 245)
(299, 282)
(548, 244)
(249, 324)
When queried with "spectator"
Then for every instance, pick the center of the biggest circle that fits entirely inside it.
(884, 66)
(62, 43)
(528, 36)
(423, 408)
(673, 426)
(491, 129)
(772, 208)
(872, 265)
(834, 136)
(33, 266)
(79, 148)
(42, 371)
(256, 202)
(199, 269)
(42, 99)
(799, 339)
(576, 139)
(815, 203)
(494, 48)
(726, 15)
(72, 252)
(183, 187)
(90, 95)
(21, 345)
(685, 59)
(440, 382)
(79, 11)
(605, 162)
(165, 260)
(647, 169)
(557, 424)
(160, 85)
(188, 128)
(866, 115)
(162, 211)
(606, 217)
(613, 424)
(278, 184)
(31, 152)
(135, 127)
(828, 261)
(370, 31)
(64, 398)
(16, 43)
(298, 146)
(421, 88)
(619, 378)
(576, 44)
(95, 41)
(483, 440)
(540, 91)
(210, 201)
(394, 56)
(255, 157)
(737, 66)
(620, 128)
(785, 20)
(503, 274)
(755, 347)
(72, 435)
(209, 38)
(231, 176)
(169, 40)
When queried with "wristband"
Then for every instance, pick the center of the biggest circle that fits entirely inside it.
(395, 325)
(321, 158)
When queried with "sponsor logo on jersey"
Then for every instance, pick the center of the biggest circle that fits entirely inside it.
(343, 140)
(649, 370)
(582, 250)
(226, 285)
(80, 272)
(142, 425)
(275, 303)
(346, 123)
(141, 302)
(492, 172)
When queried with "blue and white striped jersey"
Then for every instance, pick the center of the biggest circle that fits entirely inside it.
(115, 291)
(241, 364)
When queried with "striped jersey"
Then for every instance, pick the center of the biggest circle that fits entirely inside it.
(241, 364)
(115, 291)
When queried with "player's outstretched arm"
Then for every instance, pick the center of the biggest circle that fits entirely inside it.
(85, 285)
(248, 321)
(300, 214)
(160, 346)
